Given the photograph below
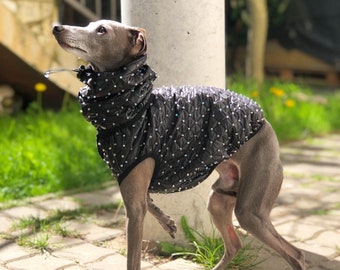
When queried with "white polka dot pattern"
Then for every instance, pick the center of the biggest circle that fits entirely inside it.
(187, 130)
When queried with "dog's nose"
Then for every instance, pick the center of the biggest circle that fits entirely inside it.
(58, 29)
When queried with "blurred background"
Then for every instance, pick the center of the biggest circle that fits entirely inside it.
(299, 41)
(285, 54)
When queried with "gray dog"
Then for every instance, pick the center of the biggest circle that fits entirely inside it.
(171, 138)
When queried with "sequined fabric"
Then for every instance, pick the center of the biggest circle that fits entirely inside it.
(187, 130)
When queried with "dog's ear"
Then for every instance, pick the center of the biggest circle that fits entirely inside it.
(138, 41)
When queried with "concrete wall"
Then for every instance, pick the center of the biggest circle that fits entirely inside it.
(25, 28)
(186, 39)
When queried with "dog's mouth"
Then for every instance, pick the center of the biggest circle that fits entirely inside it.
(67, 46)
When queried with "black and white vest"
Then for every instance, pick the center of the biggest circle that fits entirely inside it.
(187, 130)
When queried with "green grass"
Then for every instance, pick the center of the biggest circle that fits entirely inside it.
(56, 217)
(43, 152)
(208, 250)
(295, 111)
(38, 241)
(35, 232)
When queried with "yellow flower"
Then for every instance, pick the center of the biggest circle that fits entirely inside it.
(40, 87)
(277, 91)
(290, 103)
(254, 94)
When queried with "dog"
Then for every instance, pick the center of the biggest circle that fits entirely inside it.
(170, 139)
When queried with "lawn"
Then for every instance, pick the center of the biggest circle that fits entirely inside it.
(295, 111)
(43, 151)
(46, 151)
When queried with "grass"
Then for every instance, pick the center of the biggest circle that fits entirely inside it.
(39, 241)
(295, 111)
(35, 232)
(57, 216)
(43, 152)
(208, 250)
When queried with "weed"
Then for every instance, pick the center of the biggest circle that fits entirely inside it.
(325, 211)
(35, 231)
(29, 223)
(7, 236)
(320, 212)
(333, 190)
(64, 232)
(38, 241)
(208, 250)
(246, 258)
(337, 248)
(53, 223)
(122, 251)
(321, 177)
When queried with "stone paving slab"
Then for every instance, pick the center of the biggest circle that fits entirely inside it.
(58, 204)
(115, 261)
(24, 212)
(94, 233)
(57, 242)
(307, 214)
(6, 222)
(11, 251)
(180, 264)
(84, 253)
(40, 262)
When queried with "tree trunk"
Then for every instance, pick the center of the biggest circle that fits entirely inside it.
(257, 37)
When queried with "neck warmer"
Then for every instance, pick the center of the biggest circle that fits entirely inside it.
(113, 99)
(187, 130)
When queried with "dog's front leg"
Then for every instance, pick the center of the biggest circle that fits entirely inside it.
(134, 190)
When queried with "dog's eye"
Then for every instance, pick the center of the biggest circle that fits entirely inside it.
(101, 30)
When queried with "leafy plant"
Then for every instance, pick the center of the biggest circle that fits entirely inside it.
(208, 250)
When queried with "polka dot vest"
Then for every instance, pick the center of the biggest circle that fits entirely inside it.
(187, 130)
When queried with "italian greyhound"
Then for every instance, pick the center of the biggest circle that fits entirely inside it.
(250, 175)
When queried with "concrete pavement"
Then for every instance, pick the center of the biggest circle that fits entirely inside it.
(307, 214)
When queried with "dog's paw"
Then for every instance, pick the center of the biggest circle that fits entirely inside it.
(172, 228)
(169, 226)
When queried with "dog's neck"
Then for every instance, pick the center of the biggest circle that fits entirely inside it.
(113, 99)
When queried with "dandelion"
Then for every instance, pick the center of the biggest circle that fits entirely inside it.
(40, 87)
(289, 103)
(255, 94)
(277, 91)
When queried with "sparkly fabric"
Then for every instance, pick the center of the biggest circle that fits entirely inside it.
(187, 130)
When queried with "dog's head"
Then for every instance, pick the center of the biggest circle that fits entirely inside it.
(106, 45)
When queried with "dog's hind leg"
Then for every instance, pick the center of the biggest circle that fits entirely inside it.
(260, 183)
(166, 221)
(221, 204)
(134, 190)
